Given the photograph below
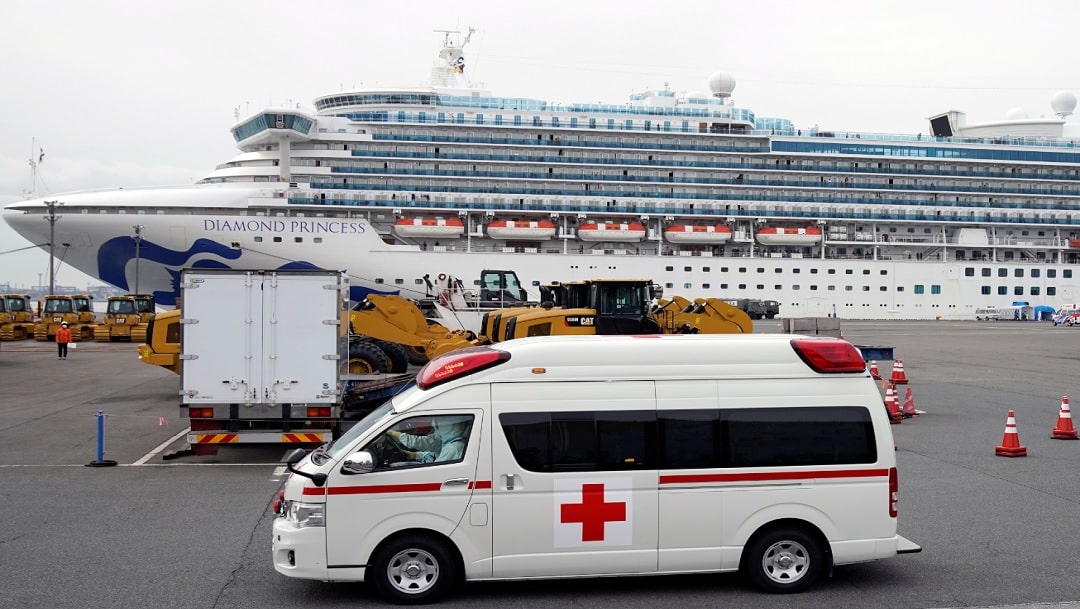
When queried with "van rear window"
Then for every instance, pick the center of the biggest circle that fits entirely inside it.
(690, 439)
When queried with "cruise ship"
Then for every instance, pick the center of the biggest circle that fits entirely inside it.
(398, 186)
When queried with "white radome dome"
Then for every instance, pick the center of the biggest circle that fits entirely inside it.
(722, 83)
(1017, 114)
(1063, 103)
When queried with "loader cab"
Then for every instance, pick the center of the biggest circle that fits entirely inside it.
(499, 289)
(120, 306)
(613, 306)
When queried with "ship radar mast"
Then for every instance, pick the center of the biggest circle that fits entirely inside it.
(449, 69)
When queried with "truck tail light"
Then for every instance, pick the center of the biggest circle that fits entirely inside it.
(200, 413)
(318, 411)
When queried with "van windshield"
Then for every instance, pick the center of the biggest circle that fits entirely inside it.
(338, 447)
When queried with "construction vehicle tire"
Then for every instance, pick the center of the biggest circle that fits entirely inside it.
(138, 333)
(367, 358)
(41, 332)
(7, 332)
(399, 359)
(416, 355)
(102, 334)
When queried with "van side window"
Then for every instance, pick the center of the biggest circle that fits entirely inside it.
(690, 439)
(422, 441)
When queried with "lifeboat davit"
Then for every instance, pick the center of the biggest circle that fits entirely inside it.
(523, 230)
(779, 235)
(429, 227)
(626, 231)
(686, 233)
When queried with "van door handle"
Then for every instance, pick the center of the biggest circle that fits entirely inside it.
(509, 482)
(456, 482)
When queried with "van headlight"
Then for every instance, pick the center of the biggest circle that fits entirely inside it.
(305, 514)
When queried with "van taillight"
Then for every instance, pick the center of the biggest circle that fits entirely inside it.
(455, 364)
(318, 411)
(279, 502)
(894, 491)
(829, 354)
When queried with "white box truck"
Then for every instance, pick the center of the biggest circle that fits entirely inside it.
(261, 355)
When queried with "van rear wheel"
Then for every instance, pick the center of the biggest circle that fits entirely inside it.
(784, 560)
(413, 570)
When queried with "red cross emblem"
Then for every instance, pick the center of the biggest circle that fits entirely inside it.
(593, 512)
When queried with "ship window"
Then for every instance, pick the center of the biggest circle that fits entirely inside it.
(760, 269)
(900, 288)
(1018, 272)
(317, 239)
(1035, 272)
(849, 272)
(687, 286)
(813, 271)
(920, 289)
(884, 272)
(986, 290)
(847, 288)
(969, 272)
(742, 286)
(399, 281)
(669, 285)
(831, 288)
(1003, 272)
(1002, 290)
(742, 269)
(935, 289)
(277, 239)
(866, 271)
(258, 239)
(1051, 273)
(686, 269)
(669, 268)
(723, 269)
(866, 288)
(883, 289)
(832, 271)
(796, 270)
(1051, 291)
(705, 286)
(795, 286)
(380, 280)
(759, 287)
(813, 288)
(986, 272)
(723, 286)
(706, 269)
(778, 270)
(1035, 291)
(1066, 274)
(298, 239)
(1018, 291)
(778, 287)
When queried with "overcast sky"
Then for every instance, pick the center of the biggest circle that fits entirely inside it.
(137, 93)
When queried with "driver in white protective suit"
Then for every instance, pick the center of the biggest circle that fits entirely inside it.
(446, 442)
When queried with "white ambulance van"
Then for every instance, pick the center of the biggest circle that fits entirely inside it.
(600, 456)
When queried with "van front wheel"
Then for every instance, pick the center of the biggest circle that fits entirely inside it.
(413, 570)
(784, 560)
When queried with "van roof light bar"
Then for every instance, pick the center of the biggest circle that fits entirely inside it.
(457, 364)
(829, 355)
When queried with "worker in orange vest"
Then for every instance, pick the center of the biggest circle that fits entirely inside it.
(63, 337)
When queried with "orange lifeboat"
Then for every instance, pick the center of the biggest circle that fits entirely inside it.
(429, 227)
(611, 231)
(525, 230)
(1074, 244)
(779, 235)
(687, 233)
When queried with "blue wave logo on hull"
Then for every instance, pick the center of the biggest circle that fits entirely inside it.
(115, 254)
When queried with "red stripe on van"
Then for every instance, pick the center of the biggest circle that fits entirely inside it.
(422, 487)
(768, 476)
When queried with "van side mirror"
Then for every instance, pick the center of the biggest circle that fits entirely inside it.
(295, 457)
(360, 463)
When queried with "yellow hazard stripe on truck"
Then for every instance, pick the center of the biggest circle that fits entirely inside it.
(301, 437)
(216, 438)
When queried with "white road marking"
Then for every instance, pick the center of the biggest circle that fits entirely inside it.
(161, 447)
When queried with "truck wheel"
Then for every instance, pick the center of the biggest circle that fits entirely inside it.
(399, 359)
(366, 358)
(783, 560)
(413, 570)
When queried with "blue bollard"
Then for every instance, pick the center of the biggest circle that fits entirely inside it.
(100, 462)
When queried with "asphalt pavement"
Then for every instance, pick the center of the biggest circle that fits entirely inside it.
(194, 532)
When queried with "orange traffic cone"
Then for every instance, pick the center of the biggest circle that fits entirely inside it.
(1010, 442)
(908, 410)
(898, 376)
(1064, 429)
(891, 406)
(874, 371)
